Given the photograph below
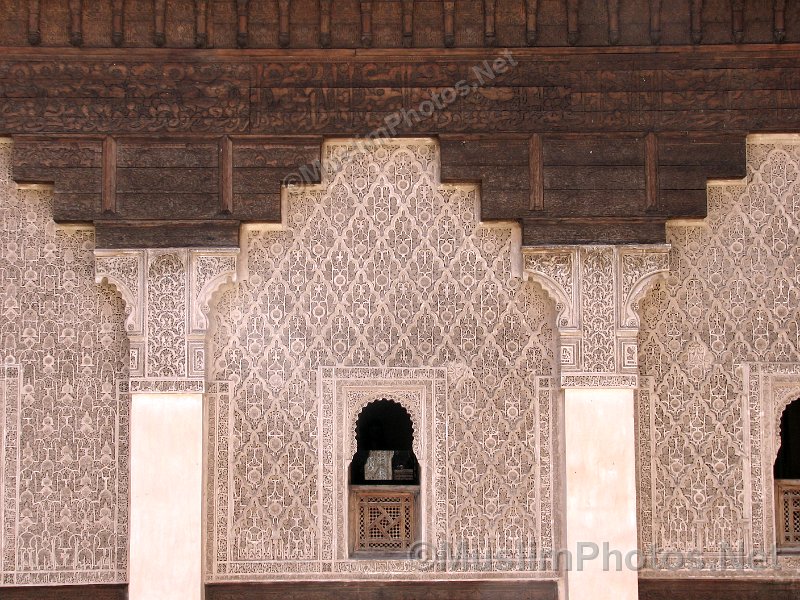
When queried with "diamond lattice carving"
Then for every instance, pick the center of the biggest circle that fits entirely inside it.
(380, 267)
(64, 357)
(732, 297)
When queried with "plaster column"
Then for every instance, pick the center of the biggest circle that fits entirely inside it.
(596, 290)
(601, 494)
(167, 293)
(166, 497)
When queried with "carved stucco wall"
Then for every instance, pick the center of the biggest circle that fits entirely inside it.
(714, 335)
(380, 279)
(63, 370)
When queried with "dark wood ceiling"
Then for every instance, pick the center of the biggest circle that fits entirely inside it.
(596, 130)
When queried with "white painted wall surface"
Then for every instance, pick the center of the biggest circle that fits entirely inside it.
(601, 493)
(166, 497)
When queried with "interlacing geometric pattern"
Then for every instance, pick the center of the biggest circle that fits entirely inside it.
(63, 353)
(384, 521)
(379, 266)
(788, 514)
(732, 297)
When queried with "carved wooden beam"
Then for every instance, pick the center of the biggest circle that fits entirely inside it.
(283, 23)
(226, 175)
(242, 22)
(325, 23)
(737, 20)
(449, 23)
(34, 19)
(697, 20)
(651, 171)
(531, 21)
(779, 14)
(573, 28)
(655, 21)
(76, 22)
(109, 197)
(536, 172)
(159, 21)
(613, 22)
(117, 12)
(201, 23)
(366, 23)
(408, 23)
(489, 33)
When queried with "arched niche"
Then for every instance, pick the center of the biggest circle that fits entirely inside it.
(786, 472)
(384, 446)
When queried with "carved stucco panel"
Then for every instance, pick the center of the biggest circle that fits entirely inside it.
(64, 430)
(707, 427)
(379, 271)
(596, 291)
(167, 293)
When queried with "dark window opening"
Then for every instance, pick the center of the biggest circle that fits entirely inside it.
(384, 438)
(787, 481)
(787, 465)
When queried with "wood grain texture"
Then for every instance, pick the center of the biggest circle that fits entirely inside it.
(396, 590)
(77, 592)
(699, 589)
(598, 141)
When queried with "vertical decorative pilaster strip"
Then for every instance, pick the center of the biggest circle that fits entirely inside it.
(573, 27)
(613, 22)
(226, 175)
(159, 21)
(779, 20)
(325, 23)
(408, 23)
(34, 22)
(651, 171)
(737, 20)
(366, 23)
(489, 30)
(531, 21)
(697, 20)
(655, 21)
(242, 22)
(76, 22)
(283, 23)
(536, 172)
(109, 199)
(117, 23)
(449, 23)
(201, 23)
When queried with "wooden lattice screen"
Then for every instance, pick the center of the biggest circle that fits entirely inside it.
(384, 520)
(787, 494)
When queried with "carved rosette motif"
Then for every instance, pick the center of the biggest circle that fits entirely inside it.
(719, 351)
(596, 291)
(167, 293)
(63, 400)
(381, 282)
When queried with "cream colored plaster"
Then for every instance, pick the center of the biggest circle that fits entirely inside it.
(601, 494)
(166, 497)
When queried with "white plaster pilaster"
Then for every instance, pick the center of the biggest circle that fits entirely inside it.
(596, 290)
(167, 294)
